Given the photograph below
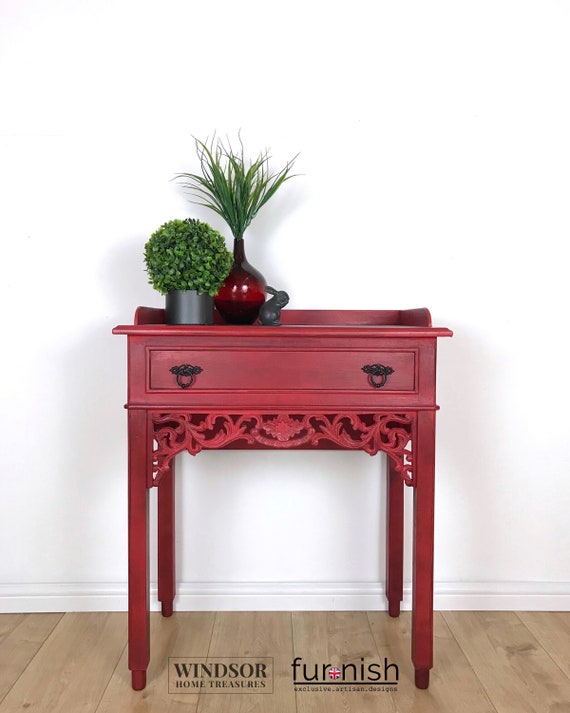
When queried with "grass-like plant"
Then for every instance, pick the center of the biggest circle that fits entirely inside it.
(232, 186)
(187, 255)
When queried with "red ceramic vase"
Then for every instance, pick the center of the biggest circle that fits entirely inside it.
(243, 292)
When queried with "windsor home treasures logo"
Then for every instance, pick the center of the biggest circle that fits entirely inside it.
(355, 677)
(220, 675)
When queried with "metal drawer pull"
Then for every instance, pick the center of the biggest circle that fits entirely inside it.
(377, 371)
(185, 371)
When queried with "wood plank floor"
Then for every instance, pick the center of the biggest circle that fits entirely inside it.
(485, 662)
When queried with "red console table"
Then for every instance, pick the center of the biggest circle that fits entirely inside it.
(324, 379)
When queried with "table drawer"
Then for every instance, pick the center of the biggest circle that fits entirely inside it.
(290, 370)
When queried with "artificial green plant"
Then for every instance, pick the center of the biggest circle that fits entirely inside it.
(187, 255)
(230, 185)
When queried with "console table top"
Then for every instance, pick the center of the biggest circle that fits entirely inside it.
(150, 321)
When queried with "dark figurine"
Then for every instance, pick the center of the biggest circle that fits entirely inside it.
(271, 310)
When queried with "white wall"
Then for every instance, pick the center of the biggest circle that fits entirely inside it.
(435, 154)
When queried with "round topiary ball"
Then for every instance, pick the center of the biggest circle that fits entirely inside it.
(187, 255)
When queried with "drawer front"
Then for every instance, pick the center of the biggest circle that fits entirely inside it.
(338, 370)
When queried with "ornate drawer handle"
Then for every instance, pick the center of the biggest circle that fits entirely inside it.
(377, 371)
(185, 371)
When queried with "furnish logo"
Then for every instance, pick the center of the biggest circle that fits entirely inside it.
(220, 675)
(360, 676)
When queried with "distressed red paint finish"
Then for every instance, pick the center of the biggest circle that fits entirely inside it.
(325, 379)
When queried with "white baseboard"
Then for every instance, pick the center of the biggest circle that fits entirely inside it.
(283, 596)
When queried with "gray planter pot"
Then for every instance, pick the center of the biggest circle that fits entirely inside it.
(189, 307)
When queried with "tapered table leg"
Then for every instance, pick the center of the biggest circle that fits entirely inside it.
(166, 551)
(139, 464)
(422, 585)
(394, 538)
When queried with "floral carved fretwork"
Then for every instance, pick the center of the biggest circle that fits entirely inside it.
(391, 433)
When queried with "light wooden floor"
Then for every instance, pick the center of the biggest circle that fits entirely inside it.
(485, 662)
